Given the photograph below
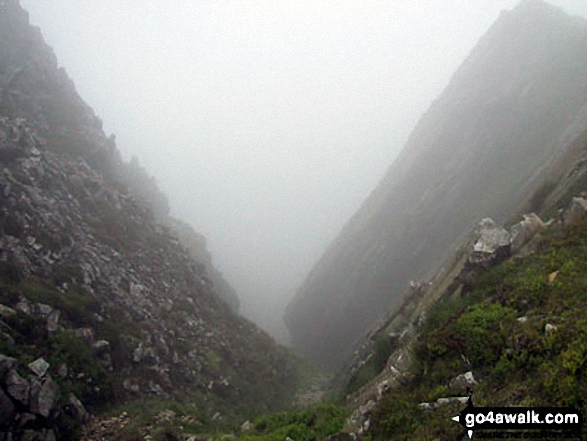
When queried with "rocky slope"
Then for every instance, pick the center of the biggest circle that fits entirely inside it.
(532, 270)
(502, 323)
(479, 151)
(93, 287)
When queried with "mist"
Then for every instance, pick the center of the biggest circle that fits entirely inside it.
(265, 123)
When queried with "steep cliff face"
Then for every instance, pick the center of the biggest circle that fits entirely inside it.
(477, 152)
(91, 281)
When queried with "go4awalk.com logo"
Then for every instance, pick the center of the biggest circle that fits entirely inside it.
(521, 422)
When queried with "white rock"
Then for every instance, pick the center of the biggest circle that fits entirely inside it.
(39, 367)
(246, 426)
(550, 328)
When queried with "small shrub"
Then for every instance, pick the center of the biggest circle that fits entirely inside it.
(96, 387)
(483, 330)
(315, 423)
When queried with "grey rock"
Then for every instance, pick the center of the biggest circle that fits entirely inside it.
(39, 367)
(576, 211)
(449, 400)
(461, 382)
(7, 338)
(24, 306)
(43, 310)
(86, 334)
(76, 409)
(136, 289)
(367, 408)
(366, 425)
(26, 420)
(246, 426)
(491, 242)
(6, 312)
(53, 321)
(44, 396)
(382, 388)
(532, 246)
(17, 387)
(525, 230)
(131, 385)
(101, 347)
(138, 353)
(32, 435)
(6, 190)
(549, 328)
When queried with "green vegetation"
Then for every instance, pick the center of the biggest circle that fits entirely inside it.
(517, 362)
(30, 339)
(312, 424)
(170, 420)
(163, 420)
(92, 383)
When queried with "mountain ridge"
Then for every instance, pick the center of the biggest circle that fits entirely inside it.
(469, 154)
(100, 302)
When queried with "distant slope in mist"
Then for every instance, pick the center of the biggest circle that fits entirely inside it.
(477, 152)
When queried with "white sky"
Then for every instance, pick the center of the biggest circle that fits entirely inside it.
(267, 123)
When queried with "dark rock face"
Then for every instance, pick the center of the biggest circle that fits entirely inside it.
(85, 262)
(7, 410)
(518, 99)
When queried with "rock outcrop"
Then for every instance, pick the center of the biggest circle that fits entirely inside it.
(488, 245)
(30, 407)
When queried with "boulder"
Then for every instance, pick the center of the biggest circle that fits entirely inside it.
(246, 426)
(76, 409)
(26, 421)
(43, 310)
(53, 321)
(491, 243)
(24, 306)
(549, 328)
(86, 334)
(44, 396)
(525, 230)
(367, 408)
(461, 383)
(101, 347)
(39, 367)
(6, 312)
(576, 211)
(382, 388)
(17, 387)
